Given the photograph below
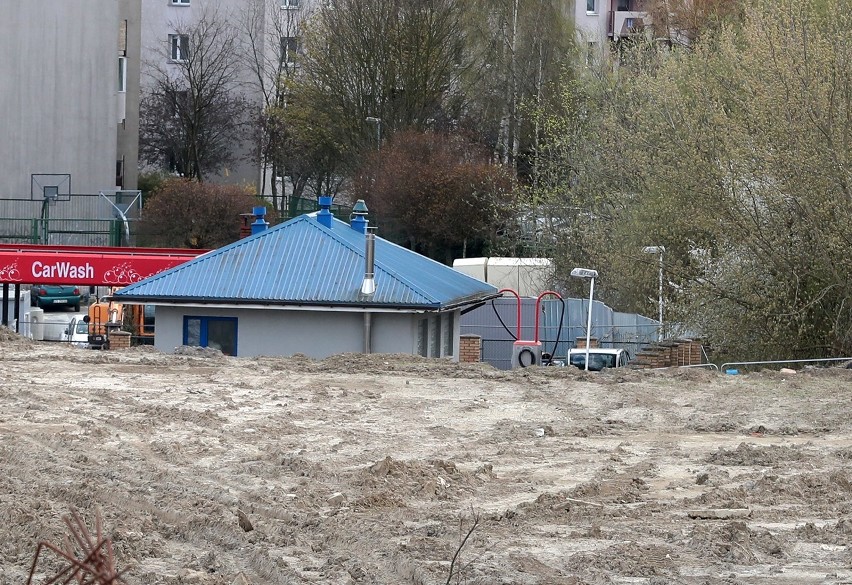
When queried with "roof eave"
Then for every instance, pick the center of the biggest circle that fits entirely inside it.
(361, 304)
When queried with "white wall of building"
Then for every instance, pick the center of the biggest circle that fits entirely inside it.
(592, 24)
(317, 334)
(58, 101)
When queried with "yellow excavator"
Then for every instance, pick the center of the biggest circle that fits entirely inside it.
(104, 317)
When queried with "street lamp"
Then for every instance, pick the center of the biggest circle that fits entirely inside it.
(592, 274)
(378, 123)
(658, 250)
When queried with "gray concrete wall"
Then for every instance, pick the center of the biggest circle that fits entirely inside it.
(58, 94)
(316, 334)
(128, 129)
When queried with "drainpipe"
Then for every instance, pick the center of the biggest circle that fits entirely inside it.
(368, 332)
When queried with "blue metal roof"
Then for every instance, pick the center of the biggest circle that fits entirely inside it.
(302, 262)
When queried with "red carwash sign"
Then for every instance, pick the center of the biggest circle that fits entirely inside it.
(93, 266)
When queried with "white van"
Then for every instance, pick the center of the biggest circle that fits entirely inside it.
(77, 333)
(599, 358)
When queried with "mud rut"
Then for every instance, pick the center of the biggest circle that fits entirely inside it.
(370, 469)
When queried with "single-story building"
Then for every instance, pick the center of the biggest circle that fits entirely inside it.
(314, 285)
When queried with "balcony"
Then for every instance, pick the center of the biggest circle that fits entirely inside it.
(627, 23)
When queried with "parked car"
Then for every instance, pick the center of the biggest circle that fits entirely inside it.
(55, 295)
(77, 333)
(599, 358)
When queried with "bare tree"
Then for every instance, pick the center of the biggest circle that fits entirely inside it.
(437, 194)
(192, 116)
(271, 52)
(187, 214)
(522, 48)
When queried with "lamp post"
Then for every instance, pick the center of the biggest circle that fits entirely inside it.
(378, 123)
(658, 250)
(592, 274)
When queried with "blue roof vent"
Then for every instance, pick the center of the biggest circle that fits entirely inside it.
(358, 219)
(324, 216)
(259, 224)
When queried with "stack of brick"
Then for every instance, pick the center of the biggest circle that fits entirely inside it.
(119, 340)
(678, 352)
(689, 353)
(470, 348)
(653, 357)
(593, 342)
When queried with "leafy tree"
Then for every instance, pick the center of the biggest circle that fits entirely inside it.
(684, 21)
(271, 53)
(192, 116)
(187, 214)
(437, 194)
(735, 157)
(392, 60)
(521, 49)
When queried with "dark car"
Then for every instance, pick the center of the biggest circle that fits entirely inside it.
(55, 295)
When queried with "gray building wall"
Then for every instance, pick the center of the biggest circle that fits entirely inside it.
(128, 127)
(317, 334)
(58, 93)
(160, 18)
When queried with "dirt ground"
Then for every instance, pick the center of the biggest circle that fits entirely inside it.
(372, 469)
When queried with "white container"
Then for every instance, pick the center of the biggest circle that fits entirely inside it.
(36, 323)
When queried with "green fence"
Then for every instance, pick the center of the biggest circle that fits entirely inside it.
(110, 232)
(76, 232)
(300, 205)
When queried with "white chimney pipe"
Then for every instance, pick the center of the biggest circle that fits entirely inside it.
(368, 287)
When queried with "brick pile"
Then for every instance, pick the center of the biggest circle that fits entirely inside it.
(678, 352)
(470, 348)
(119, 340)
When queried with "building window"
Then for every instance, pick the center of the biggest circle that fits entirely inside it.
(215, 332)
(592, 6)
(180, 2)
(289, 4)
(623, 5)
(179, 47)
(289, 49)
(122, 74)
(148, 318)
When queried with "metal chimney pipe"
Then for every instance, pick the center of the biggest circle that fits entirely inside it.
(324, 215)
(259, 224)
(368, 287)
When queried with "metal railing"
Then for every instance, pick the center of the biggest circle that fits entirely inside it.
(707, 365)
(724, 367)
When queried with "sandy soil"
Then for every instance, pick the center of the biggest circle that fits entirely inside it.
(371, 469)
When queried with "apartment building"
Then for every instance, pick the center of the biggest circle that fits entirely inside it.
(69, 96)
(599, 21)
(266, 34)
